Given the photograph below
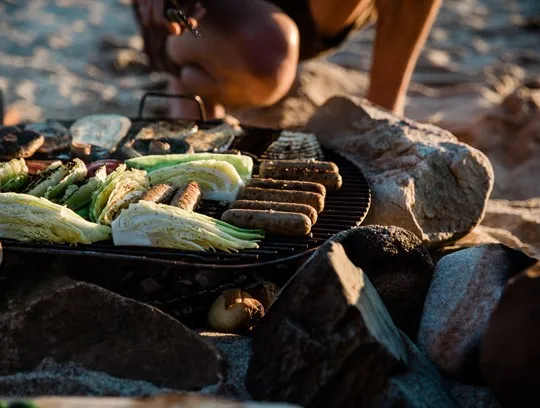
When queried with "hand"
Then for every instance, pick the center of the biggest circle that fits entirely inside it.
(152, 14)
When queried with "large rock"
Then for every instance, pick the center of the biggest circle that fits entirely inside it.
(510, 352)
(399, 267)
(57, 318)
(422, 178)
(520, 218)
(465, 289)
(327, 340)
(173, 400)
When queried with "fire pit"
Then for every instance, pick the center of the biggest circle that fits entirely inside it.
(182, 282)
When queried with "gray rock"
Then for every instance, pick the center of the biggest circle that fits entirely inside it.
(65, 320)
(327, 340)
(510, 352)
(471, 396)
(398, 265)
(421, 177)
(465, 289)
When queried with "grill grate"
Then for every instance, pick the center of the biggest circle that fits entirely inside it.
(344, 209)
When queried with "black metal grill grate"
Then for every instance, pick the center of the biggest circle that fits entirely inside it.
(344, 209)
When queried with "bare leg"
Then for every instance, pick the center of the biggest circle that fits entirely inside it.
(247, 57)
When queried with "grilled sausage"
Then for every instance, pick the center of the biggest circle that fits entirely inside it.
(284, 196)
(160, 193)
(287, 185)
(300, 164)
(187, 197)
(277, 206)
(329, 179)
(272, 222)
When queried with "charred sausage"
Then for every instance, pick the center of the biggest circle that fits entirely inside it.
(287, 185)
(187, 197)
(284, 196)
(160, 193)
(300, 164)
(305, 209)
(272, 222)
(329, 179)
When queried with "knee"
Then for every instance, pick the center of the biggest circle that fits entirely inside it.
(271, 57)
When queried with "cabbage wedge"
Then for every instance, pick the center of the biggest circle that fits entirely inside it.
(158, 225)
(243, 164)
(218, 180)
(13, 175)
(119, 189)
(28, 218)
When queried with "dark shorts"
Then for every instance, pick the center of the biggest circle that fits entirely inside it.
(312, 44)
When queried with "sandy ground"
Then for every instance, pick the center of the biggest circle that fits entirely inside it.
(70, 58)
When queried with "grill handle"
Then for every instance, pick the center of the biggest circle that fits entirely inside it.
(195, 98)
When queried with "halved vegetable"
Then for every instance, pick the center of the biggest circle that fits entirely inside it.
(242, 164)
(13, 175)
(218, 180)
(75, 172)
(159, 225)
(27, 218)
(119, 189)
(83, 194)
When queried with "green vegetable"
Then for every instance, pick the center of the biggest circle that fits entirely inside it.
(149, 224)
(83, 195)
(27, 218)
(218, 180)
(242, 164)
(119, 189)
(13, 175)
(75, 172)
(48, 178)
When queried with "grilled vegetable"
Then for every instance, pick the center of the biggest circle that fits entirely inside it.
(27, 218)
(83, 194)
(235, 311)
(188, 197)
(160, 193)
(272, 222)
(242, 164)
(159, 225)
(16, 143)
(13, 175)
(48, 178)
(284, 196)
(75, 172)
(305, 209)
(218, 180)
(119, 189)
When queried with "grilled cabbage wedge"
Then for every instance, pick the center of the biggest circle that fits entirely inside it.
(13, 175)
(243, 164)
(25, 217)
(158, 225)
(119, 189)
(217, 180)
